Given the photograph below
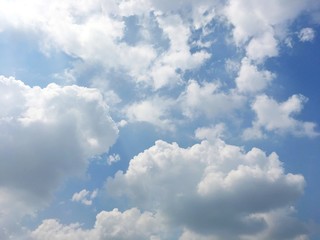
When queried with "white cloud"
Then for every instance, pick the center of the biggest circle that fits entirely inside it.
(155, 111)
(254, 18)
(130, 224)
(207, 99)
(259, 26)
(203, 14)
(134, 7)
(113, 158)
(211, 189)
(251, 79)
(210, 133)
(264, 46)
(189, 235)
(87, 30)
(122, 123)
(47, 135)
(178, 56)
(306, 35)
(197, 100)
(94, 32)
(84, 196)
(164, 75)
(278, 117)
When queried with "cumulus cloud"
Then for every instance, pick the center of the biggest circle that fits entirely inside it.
(47, 135)
(278, 117)
(130, 224)
(210, 133)
(226, 193)
(259, 26)
(86, 30)
(251, 79)
(84, 196)
(255, 18)
(264, 46)
(210, 190)
(306, 35)
(154, 111)
(95, 33)
(207, 99)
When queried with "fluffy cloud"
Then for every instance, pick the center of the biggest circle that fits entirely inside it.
(84, 196)
(208, 191)
(207, 99)
(259, 25)
(95, 33)
(306, 35)
(155, 111)
(212, 189)
(46, 134)
(197, 100)
(84, 30)
(264, 46)
(252, 18)
(210, 133)
(250, 79)
(130, 224)
(278, 117)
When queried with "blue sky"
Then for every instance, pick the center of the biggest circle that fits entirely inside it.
(149, 119)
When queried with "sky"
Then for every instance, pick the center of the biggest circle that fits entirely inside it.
(159, 120)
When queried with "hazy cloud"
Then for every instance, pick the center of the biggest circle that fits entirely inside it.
(306, 35)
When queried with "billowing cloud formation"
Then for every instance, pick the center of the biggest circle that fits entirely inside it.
(211, 189)
(131, 224)
(226, 193)
(46, 134)
(278, 117)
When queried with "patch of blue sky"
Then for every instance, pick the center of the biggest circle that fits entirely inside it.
(139, 30)
(22, 58)
(214, 69)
